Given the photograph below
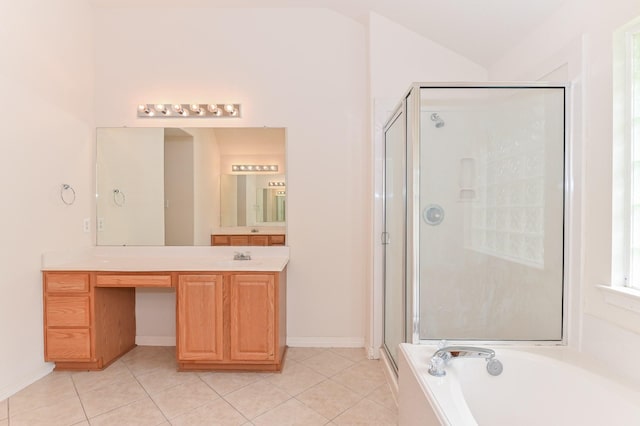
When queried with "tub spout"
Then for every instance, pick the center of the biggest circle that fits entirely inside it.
(443, 355)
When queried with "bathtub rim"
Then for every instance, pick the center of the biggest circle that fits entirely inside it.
(461, 415)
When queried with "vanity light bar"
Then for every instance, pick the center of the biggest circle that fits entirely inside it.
(273, 183)
(189, 110)
(254, 168)
(280, 194)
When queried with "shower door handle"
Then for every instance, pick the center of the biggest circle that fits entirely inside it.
(385, 238)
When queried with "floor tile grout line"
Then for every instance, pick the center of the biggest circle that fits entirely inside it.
(225, 400)
(149, 395)
(337, 415)
(295, 394)
(284, 402)
(127, 404)
(75, 388)
(240, 412)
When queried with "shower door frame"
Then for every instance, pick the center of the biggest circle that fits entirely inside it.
(413, 106)
(399, 113)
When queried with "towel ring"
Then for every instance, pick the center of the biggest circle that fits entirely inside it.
(118, 198)
(67, 194)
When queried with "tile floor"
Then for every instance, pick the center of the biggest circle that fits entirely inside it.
(336, 386)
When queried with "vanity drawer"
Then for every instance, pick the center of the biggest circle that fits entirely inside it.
(239, 240)
(276, 240)
(68, 344)
(67, 311)
(133, 280)
(56, 282)
(259, 240)
(220, 240)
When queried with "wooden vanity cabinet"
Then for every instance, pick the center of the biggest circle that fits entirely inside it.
(224, 320)
(67, 317)
(248, 240)
(79, 318)
(89, 317)
(253, 323)
(252, 319)
(199, 301)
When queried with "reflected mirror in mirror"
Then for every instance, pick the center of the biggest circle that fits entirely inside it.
(171, 186)
(252, 200)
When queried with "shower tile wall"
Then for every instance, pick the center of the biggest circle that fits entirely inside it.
(508, 214)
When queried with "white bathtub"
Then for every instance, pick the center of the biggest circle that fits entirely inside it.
(539, 386)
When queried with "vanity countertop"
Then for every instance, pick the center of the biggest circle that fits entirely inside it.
(267, 259)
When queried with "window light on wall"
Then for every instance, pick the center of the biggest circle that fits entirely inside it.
(633, 134)
(189, 110)
(626, 158)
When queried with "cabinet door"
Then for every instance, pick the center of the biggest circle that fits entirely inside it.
(276, 240)
(259, 240)
(252, 317)
(239, 240)
(199, 317)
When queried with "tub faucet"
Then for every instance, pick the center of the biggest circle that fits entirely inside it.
(444, 354)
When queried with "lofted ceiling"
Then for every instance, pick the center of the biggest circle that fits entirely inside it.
(481, 31)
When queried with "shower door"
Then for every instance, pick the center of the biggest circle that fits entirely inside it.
(491, 213)
(393, 237)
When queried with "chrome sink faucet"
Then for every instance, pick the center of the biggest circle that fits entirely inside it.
(444, 354)
(242, 256)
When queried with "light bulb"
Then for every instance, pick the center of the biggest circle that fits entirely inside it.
(212, 107)
(142, 108)
(195, 107)
(229, 108)
(177, 108)
(160, 107)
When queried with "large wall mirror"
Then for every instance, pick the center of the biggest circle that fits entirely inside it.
(178, 186)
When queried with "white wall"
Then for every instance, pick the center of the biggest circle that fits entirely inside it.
(179, 181)
(302, 69)
(399, 57)
(584, 30)
(46, 81)
(206, 185)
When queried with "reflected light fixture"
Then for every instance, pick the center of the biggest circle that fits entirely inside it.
(189, 110)
(274, 183)
(254, 168)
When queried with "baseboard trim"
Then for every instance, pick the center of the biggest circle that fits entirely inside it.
(26, 380)
(373, 353)
(326, 342)
(156, 340)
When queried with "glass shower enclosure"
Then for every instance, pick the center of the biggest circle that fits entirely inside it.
(474, 214)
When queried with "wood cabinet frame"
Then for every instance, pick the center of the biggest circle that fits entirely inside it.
(248, 239)
(224, 320)
(249, 342)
